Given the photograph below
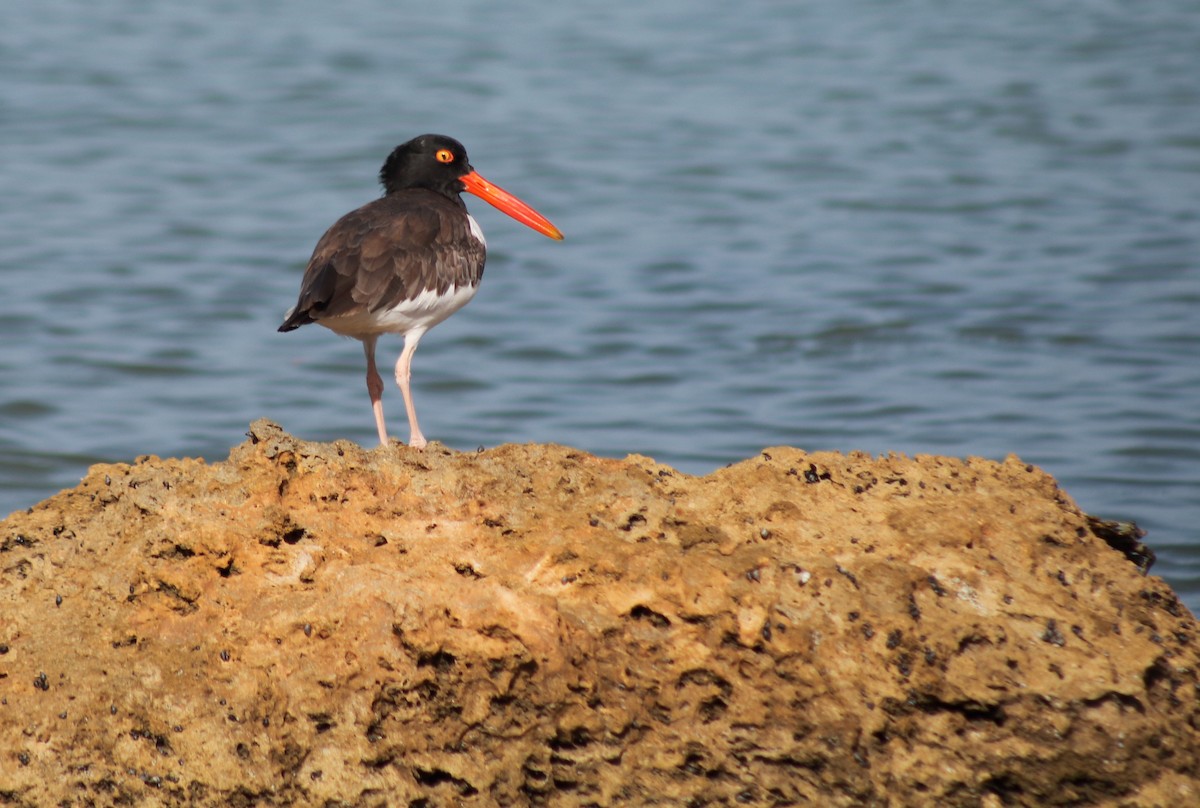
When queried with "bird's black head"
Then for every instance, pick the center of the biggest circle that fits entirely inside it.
(435, 162)
(439, 163)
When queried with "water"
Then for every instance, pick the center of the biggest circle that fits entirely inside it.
(927, 227)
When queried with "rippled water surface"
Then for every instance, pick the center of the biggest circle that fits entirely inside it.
(925, 227)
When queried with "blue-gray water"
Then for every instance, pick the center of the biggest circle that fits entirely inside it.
(958, 228)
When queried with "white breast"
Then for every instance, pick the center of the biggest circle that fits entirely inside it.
(476, 230)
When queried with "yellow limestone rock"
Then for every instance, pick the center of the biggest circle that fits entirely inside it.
(319, 624)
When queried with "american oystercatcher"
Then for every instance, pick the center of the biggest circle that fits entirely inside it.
(403, 263)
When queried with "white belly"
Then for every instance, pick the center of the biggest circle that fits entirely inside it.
(419, 314)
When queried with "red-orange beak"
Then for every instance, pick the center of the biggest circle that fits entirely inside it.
(502, 199)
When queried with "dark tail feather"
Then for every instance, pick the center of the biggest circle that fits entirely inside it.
(295, 319)
(316, 291)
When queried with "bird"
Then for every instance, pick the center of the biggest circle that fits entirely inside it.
(405, 261)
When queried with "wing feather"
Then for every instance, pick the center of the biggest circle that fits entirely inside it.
(385, 252)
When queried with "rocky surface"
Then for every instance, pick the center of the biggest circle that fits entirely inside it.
(318, 624)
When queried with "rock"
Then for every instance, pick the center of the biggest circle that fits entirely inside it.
(319, 624)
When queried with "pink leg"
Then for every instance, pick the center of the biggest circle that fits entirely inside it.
(403, 372)
(375, 388)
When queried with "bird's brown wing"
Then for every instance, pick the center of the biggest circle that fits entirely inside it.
(387, 251)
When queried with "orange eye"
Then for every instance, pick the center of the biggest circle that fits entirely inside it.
(444, 156)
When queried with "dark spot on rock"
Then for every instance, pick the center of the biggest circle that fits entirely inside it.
(893, 638)
(16, 541)
(294, 535)
(41, 682)
(181, 602)
(634, 519)
(1168, 603)
(811, 475)
(643, 612)
(439, 660)
(1125, 538)
(693, 764)
(1052, 635)
(436, 777)
(177, 551)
